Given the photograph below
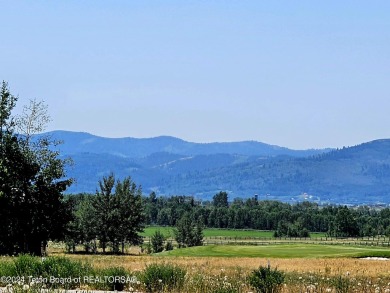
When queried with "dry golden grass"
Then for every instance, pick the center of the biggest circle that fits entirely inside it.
(303, 274)
(329, 266)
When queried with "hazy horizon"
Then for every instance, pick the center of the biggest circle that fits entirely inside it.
(294, 74)
(207, 142)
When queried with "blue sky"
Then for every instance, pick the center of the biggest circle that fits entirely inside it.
(300, 74)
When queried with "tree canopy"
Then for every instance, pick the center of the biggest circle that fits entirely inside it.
(114, 216)
(32, 180)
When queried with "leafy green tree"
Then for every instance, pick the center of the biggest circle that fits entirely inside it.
(104, 207)
(7, 103)
(188, 232)
(345, 224)
(221, 200)
(82, 228)
(157, 241)
(31, 184)
(151, 209)
(118, 213)
(130, 217)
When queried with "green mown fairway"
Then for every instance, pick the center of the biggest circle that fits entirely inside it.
(279, 251)
(236, 233)
(149, 231)
(168, 232)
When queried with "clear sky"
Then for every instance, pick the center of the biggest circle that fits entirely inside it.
(300, 74)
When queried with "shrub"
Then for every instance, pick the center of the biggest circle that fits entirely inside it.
(26, 265)
(265, 280)
(148, 248)
(159, 277)
(6, 269)
(114, 278)
(341, 284)
(157, 241)
(169, 246)
(62, 267)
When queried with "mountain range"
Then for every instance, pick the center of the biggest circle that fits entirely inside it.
(171, 166)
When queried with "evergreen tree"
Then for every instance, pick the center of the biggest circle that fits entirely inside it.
(157, 241)
(188, 232)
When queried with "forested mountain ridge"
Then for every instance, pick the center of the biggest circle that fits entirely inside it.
(77, 142)
(359, 174)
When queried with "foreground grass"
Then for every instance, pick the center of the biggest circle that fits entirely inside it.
(220, 269)
(214, 274)
(280, 251)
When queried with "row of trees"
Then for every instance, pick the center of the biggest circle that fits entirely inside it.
(190, 216)
(294, 220)
(113, 217)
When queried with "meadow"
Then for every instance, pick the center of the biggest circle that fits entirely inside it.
(224, 268)
(214, 232)
(280, 251)
(318, 266)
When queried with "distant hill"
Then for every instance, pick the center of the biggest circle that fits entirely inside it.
(359, 174)
(78, 142)
(168, 165)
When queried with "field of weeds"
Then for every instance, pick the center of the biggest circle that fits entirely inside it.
(302, 274)
(329, 266)
(299, 268)
(208, 274)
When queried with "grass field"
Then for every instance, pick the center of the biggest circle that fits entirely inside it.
(321, 259)
(149, 231)
(225, 268)
(280, 251)
(230, 274)
(209, 233)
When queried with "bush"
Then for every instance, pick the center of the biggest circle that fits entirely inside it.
(6, 269)
(341, 284)
(26, 265)
(62, 267)
(157, 241)
(115, 278)
(51, 267)
(160, 277)
(265, 280)
(169, 246)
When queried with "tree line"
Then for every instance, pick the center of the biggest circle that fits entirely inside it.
(112, 217)
(115, 216)
(189, 217)
(294, 220)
